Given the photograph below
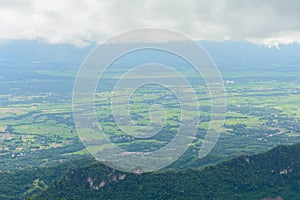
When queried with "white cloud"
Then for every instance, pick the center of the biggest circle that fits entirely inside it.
(269, 22)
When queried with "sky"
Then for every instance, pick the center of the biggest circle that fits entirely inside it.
(80, 22)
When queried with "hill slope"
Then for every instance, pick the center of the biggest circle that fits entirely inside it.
(21, 184)
(275, 173)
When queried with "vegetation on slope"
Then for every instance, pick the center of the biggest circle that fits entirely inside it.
(268, 175)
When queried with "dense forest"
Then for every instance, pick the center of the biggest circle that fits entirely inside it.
(274, 174)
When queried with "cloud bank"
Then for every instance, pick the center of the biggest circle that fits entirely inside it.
(269, 22)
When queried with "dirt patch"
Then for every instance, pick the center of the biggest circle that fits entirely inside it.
(3, 129)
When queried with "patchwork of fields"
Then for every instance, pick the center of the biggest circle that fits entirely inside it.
(37, 128)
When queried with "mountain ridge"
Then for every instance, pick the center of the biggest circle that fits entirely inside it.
(274, 174)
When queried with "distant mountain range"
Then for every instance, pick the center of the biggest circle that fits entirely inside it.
(224, 53)
(37, 51)
(271, 175)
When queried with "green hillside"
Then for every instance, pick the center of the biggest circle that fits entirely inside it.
(22, 184)
(275, 173)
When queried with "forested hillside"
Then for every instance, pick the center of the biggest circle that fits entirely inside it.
(274, 174)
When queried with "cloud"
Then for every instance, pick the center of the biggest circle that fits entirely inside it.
(269, 22)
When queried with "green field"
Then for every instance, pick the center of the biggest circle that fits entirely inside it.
(262, 112)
